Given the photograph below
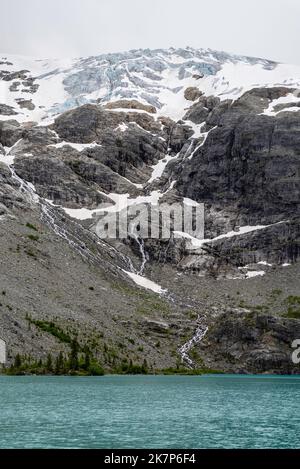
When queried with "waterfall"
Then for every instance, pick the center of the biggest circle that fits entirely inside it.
(197, 337)
(49, 213)
(24, 186)
(143, 254)
(52, 217)
(140, 242)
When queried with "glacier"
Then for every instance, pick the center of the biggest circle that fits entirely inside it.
(156, 77)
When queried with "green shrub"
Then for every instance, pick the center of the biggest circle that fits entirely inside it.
(133, 369)
(293, 303)
(30, 253)
(51, 328)
(33, 237)
(293, 313)
(95, 369)
(31, 226)
(276, 292)
(293, 300)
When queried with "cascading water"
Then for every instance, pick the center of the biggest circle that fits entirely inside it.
(197, 337)
(24, 186)
(141, 245)
(49, 213)
(140, 242)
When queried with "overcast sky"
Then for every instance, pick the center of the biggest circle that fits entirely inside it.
(61, 28)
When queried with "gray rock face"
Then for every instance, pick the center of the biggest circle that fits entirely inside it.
(251, 343)
(128, 143)
(126, 152)
(87, 123)
(200, 111)
(7, 110)
(261, 97)
(10, 76)
(179, 134)
(26, 104)
(130, 104)
(56, 181)
(279, 243)
(171, 251)
(246, 173)
(10, 198)
(28, 85)
(10, 132)
(5, 62)
(281, 107)
(248, 165)
(14, 86)
(192, 93)
(226, 257)
(91, 171)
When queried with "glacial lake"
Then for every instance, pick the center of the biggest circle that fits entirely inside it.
(229, 411)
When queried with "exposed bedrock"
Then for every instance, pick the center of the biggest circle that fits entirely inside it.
(249, 167)
(249, 342)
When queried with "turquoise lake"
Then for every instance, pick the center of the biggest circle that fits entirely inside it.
(229, 411)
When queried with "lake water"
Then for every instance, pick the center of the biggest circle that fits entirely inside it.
(150, 412)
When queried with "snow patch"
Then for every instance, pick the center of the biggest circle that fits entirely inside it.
(122, 127)
(197, 243)
(158, 169)
(197, 128)
(204, 136)
(265, 263)
(289, 99)
(145, 283)
(255, 273)
(190, 202)
(234, 79)
(119, 203)
(8, 158)
(76, 146)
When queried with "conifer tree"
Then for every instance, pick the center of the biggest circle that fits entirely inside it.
(18, 361)
(74, 363)
(59, 364)
(49, 363)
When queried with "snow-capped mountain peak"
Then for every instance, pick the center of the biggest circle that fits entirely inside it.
(40, 89)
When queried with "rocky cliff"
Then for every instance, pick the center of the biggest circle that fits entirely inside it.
(157, 127)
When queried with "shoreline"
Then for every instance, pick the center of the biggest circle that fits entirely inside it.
(198, 373)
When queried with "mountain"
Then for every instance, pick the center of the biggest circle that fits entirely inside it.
(154, 127)
(155, 77)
